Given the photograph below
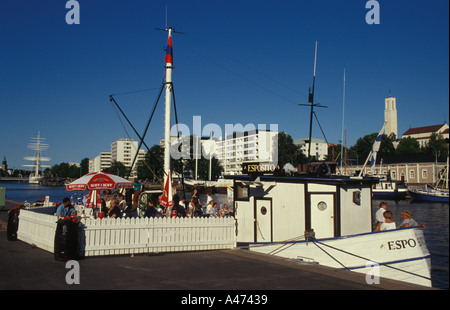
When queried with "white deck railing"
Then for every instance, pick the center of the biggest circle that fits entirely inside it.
(131, 235)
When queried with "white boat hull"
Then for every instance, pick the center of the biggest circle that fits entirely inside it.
(400, 254)
(34, 179)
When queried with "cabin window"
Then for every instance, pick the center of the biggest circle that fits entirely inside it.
(322, 206)
(357, 198)
(241, 191)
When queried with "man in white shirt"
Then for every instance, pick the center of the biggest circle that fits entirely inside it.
(379, 215)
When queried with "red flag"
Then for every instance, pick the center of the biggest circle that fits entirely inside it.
(169, 52)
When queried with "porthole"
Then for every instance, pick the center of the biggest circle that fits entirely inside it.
(322, 206)
(263, 210)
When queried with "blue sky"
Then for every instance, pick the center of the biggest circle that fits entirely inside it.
(239, 62)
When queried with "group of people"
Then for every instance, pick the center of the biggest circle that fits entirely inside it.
(384, 219)
(115, 206)
(195, 208)
(112, 205)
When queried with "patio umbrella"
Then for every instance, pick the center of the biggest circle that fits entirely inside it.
(98, 180)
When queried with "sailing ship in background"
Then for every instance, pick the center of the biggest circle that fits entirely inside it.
(38, 146)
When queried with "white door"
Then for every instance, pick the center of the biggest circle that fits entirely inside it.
(322, 215)
(263, 220)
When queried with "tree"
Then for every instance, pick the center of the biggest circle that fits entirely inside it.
(288, 152)
(84, 166)
(153, 167)
(118, 168)
(64, 170)
(408, 146)
(364, 145)
(437, 146)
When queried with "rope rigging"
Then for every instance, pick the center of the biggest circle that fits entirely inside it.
(291, 242)
(141, 138)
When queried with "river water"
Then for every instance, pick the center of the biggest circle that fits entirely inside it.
(435, 216)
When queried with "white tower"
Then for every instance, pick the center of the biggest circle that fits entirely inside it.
(390, 116)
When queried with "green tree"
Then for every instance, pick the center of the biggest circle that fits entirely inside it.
(118, 168)
(84, 166)
(64, 170)
(437, 146)
(408, 146)
(153, 167)
(288, 152)
(363, 146)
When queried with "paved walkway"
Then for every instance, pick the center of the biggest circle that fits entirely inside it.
(23, 266)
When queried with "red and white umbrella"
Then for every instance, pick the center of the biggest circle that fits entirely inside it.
(99, 180)
(96, 181)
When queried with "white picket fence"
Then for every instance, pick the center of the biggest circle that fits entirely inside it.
(38, 228)
(110, 236)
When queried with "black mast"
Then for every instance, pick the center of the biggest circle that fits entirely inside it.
(311, 103)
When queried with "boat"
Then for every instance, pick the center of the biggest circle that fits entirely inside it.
(433, 193)
(388, 189)
(430, 194)
(316, 217)
(38, 146)
(328, 221)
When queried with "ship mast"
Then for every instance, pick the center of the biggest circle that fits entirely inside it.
(168, 103)
(311, 103)
(38, 147)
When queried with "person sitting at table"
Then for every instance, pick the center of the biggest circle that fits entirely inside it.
(66, 208)
(114, 210)
(226, 212)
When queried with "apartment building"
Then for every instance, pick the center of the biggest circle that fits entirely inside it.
(319, 149)
(122, 150)
(256, 146)
(100, 162)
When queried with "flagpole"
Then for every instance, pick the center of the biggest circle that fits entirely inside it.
(375, 148)
(168, 104)
(342, 133)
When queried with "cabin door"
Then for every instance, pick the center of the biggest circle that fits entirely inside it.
(263, 220)
(322, 215)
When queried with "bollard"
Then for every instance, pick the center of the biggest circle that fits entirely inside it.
(13, 223)
(67, 239)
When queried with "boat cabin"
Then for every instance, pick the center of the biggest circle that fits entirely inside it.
(279, 208)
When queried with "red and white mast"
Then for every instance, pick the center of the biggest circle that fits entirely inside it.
(168, 195)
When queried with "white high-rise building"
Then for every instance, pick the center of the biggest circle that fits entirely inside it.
(124, 150)
(100, 162)
(319, 148)
(390, 116)
(256, 146)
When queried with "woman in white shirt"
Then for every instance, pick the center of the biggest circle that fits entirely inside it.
(388, 224)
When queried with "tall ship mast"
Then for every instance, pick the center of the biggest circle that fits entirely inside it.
(38, 146)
